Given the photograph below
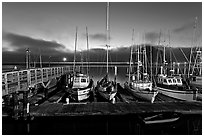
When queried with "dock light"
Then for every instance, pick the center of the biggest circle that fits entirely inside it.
(64, 59)
(15, 67)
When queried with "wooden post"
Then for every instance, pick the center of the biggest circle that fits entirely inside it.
(18, 76)
(45, 92)
(54, 72)
(41, 70)
(185, 69)
(15, 105)
(62, 71)
(6, 84)
(47, 74)
(28, 78)
(25, 102)
(36, 78)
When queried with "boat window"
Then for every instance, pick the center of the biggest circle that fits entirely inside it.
(179, 80)
(174, 80)
(169, 80)
(165, 81)
(83, 80)
(76, 80)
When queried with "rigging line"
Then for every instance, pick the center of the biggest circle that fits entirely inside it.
(131, 50)
(87, 55)
(75, 52)
(107, 33)
(194, 63)
(151, 63)
(178, 66)
(158, 52)
(170, 50)
(184, 55)
(157, 60)
(102, 57)
(194, 33)
(145, 56)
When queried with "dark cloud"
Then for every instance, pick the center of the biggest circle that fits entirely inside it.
(98, 36)
(20, 43)
(184, 28)
(152, 36)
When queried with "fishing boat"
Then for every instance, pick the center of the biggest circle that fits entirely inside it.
(196, 83)
(80, 86)
(171, 84)
(196, 74)
(106, 88)
(195, 65)
(139, 83)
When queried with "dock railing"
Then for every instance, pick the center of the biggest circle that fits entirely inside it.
(24, 79)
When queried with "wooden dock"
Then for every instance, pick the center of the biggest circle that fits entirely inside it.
(101, 118)
(120, 108)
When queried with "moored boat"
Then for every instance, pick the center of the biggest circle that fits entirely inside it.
(106, 88)
(171, 84)
(139, 84)
(79, 85)
(81, 88)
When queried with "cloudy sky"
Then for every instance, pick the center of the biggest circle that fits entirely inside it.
(50, 27)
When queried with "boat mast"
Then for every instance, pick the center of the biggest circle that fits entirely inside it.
(107, 34)
(196, 62)
(131, 48)
(87, 56)
(138, 60)
(171, 66)
(151, 62)
(194, 28)
(143, 59)
(145, 55)
(164, 58)
(158, 53)
(75, 52)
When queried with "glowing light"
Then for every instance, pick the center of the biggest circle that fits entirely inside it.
(64, 59)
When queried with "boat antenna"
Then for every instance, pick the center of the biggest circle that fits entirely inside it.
(75, 51)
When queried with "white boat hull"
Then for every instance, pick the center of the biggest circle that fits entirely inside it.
(142, 94)
(142, 86)
(83, 94)
(178, 94)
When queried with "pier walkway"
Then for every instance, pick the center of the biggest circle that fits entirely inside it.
(22, 80)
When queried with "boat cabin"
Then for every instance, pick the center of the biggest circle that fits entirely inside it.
(144, 77)
(80, 81)
(170, 80)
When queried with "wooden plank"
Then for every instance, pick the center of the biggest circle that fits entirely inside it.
(103, 108)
